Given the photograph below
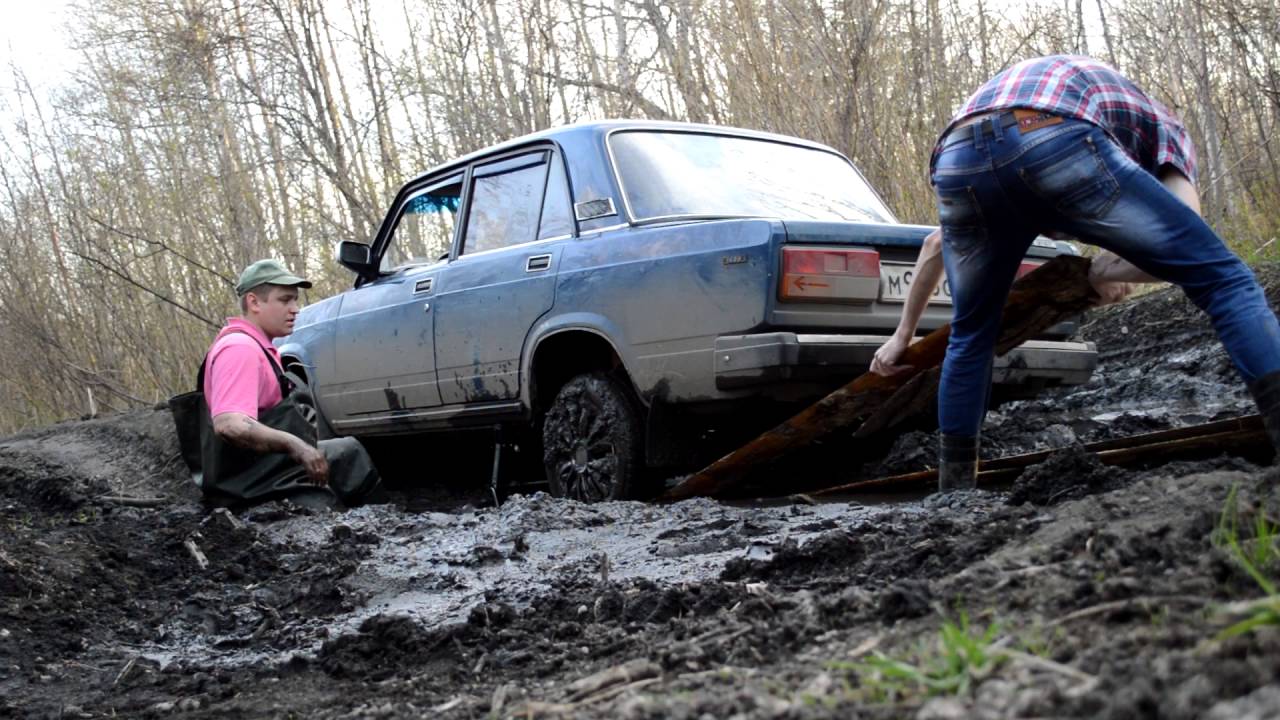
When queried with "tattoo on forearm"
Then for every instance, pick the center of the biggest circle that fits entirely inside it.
(251, 438)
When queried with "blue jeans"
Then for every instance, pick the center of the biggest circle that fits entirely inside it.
(997, 188)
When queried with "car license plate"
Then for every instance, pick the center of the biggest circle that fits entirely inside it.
(895, 283)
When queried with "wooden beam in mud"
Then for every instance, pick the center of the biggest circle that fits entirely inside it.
(1235, 435)
(1054, 292)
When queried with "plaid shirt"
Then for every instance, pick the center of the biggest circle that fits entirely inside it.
(1085, 89)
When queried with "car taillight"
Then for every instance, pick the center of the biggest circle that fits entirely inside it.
(1026, 267)
(829, 274)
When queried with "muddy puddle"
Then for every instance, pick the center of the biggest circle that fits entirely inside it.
(435, 568)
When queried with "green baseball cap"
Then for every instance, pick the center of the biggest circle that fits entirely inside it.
(268, 271)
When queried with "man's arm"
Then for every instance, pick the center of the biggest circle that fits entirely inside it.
(926, 275)
(243, 431)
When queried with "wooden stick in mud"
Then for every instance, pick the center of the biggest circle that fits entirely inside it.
(140, 502)
(196, 553)
(1233, 435)
(1054, 292)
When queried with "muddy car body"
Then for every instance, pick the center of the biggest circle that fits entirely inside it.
(605, 288)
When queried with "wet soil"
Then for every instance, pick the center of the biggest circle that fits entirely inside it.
(121, 595)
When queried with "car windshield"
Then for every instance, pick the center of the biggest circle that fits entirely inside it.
(676, 174)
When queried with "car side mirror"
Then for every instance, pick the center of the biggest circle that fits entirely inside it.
(356, 256)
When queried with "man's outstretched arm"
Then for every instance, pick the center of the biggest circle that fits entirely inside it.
(925, 278)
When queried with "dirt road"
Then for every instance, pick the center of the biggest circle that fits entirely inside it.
(1084, 591)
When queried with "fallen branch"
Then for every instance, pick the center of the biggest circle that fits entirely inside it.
(534, 709)
(132, 501)
(1146, 603)
(630, 671)
(720, 635)
(1054, 292)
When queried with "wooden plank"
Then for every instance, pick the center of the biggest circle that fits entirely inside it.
(1054, 292)
(1237, 435)
(1244, 424)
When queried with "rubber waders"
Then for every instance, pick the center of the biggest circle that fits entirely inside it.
(957, 462)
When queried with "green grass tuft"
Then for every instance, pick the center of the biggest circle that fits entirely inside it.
(960, 656)
(1255, 547)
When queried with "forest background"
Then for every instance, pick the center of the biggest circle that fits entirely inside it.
(194, 136)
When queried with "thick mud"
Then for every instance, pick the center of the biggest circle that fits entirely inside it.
(1106, 591)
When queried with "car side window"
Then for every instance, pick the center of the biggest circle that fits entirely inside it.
(424, 230)
(506, 200)
(557, 207)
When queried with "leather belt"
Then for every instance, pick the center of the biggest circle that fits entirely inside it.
(1005, 118)
(1027, 120)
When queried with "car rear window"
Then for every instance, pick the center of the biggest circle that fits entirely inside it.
(678, 175)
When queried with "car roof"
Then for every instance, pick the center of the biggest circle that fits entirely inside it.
(594, 132)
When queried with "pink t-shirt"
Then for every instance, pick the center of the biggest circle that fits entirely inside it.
(238, 377)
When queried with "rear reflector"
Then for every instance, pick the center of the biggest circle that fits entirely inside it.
(829, 274)
(1027, 266)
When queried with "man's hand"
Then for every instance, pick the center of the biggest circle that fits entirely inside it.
(313, 461)
(885, 363)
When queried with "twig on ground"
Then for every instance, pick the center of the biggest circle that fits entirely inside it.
(126, 501)
(499, 699)
(1146, 602)
(1047, 664)
(720, 635)
(532, 709)
(630, 671)
(125, 671)
(722, 670)
(445, 707)
(225, 516)
(196, 553)
(865, 646)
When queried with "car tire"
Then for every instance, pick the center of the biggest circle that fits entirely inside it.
(592, 440)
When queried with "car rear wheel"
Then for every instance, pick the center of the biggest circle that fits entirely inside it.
(592, 440)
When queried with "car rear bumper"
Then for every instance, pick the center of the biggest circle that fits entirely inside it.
(746, 360)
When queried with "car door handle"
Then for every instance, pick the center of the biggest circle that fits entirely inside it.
(537, 263)
(426, 307)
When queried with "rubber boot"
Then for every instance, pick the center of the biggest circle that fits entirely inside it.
(1266, 393)
(957, 462)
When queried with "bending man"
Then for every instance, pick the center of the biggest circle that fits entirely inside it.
(1066, 145)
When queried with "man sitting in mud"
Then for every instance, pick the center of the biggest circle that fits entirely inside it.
(258, 435)
(1067, 146)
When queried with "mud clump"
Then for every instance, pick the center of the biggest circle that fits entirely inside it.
(913, 548)
(1066, 475)
(384, 646)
